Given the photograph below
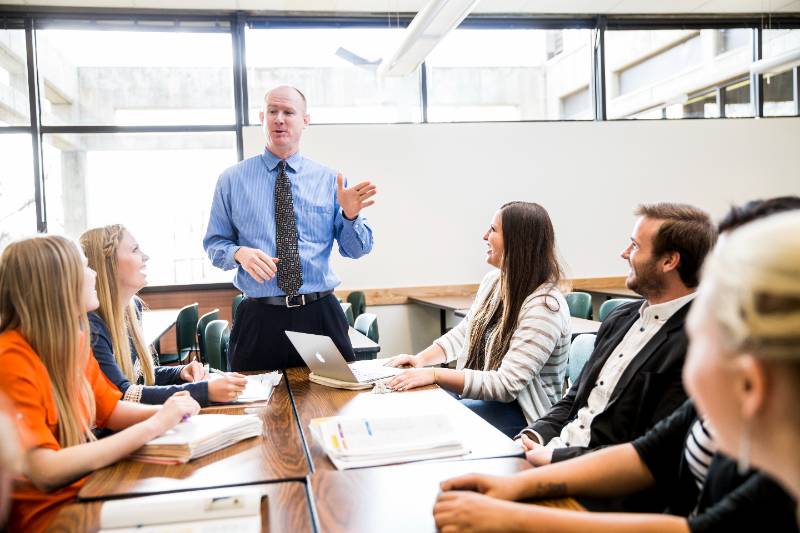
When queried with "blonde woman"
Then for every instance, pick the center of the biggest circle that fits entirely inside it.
(743, 365)
(58, 392)
(117, 337)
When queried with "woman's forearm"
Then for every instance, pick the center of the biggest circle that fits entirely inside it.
(614, 471)
(529, 517)
(449, 379)
(50, 469)
(432, 355)
(127, 414)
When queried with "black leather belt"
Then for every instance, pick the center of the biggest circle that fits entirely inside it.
(294, 301)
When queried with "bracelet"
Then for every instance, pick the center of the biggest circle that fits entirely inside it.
(434, 375)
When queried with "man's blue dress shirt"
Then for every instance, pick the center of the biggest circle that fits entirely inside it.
(243, 214)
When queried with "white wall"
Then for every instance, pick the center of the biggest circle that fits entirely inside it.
(439, 185)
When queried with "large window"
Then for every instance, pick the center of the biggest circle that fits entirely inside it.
(510, 74)
(14, 105)
(160, 186)
(17, 205)
(135, 77)
(336, 69)
(779, 86)
(676, 73)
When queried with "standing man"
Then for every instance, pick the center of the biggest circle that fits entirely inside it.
(274, 218)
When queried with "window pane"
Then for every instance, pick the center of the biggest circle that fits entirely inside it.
(737, 100)
(496, 75)
(17, 204)
(778, 94)
(160, 186)
(14, 106)
(135, 77)
(336, 69)
(674, 70)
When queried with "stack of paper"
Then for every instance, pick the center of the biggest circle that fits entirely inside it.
(354, 442)
(259, 387)
(198, 436)
(237, 512)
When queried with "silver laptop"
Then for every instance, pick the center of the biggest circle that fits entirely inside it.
(324, 359)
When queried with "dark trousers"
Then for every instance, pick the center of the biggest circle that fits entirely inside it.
(259, 342)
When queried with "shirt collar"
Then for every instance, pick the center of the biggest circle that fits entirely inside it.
(662, 312)
(292, 162)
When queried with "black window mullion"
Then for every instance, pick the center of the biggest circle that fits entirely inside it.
(239, 82)
(598, 66)
(423, 91)
(757, 80)
(36, 125)
(721, 101)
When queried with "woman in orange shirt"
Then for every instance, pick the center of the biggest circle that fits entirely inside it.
(58, 391)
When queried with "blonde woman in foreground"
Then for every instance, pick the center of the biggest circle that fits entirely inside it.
(58, 392)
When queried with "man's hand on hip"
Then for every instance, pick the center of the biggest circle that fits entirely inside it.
(256, 263)
(354, 199)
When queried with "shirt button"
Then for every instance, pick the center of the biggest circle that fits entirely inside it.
(656, 317)
(641, 329)
(582, 426)
(601, 383)
(566, 443)
(620, 355)
(591, 412)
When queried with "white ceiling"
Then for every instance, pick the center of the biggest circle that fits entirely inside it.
(485, 6)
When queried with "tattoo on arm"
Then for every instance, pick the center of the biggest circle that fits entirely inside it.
(550, 490)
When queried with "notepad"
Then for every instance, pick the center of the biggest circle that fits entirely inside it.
(355, 442)
(259, 387)
(198, 436)
(238, 512)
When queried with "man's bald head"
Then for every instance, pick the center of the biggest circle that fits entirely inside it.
(290, 92)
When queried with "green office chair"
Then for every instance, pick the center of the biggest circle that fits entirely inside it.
(236, 301)
(216, 341)
(367, 324)
(579, 352)
(609, 305)
(347, 309)
(358, 301)
(185, 336)
(201, 329)
(580, 304)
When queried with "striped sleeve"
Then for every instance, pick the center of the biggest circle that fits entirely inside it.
(536, 349)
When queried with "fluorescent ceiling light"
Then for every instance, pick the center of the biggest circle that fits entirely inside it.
(430, 26)
(777, 64)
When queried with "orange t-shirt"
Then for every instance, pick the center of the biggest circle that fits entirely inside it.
(24, 379)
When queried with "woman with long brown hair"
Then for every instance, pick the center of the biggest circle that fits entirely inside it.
(58, 391)
(117, 338)
(511, 348)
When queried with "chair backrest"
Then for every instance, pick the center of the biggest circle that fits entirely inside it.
(347, 309)
(201, 329)
(367, 324)
(214, 334)
(236, 301)
(609, 305)
(186, 328)
(580, 304)
(358, 301)
(579, 352)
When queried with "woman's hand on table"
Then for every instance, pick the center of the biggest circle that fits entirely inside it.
(411, 379)
(192, 372)
(462, 512)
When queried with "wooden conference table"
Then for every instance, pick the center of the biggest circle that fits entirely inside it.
(305, 491)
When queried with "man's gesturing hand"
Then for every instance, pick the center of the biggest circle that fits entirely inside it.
(256, 263)
(354, 199)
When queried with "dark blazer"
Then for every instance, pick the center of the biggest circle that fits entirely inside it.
(648, 390)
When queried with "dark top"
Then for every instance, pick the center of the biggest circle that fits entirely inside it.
(728, 501)
(649, 390)
(167, 378)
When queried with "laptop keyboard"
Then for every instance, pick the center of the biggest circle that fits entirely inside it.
(369, 374)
